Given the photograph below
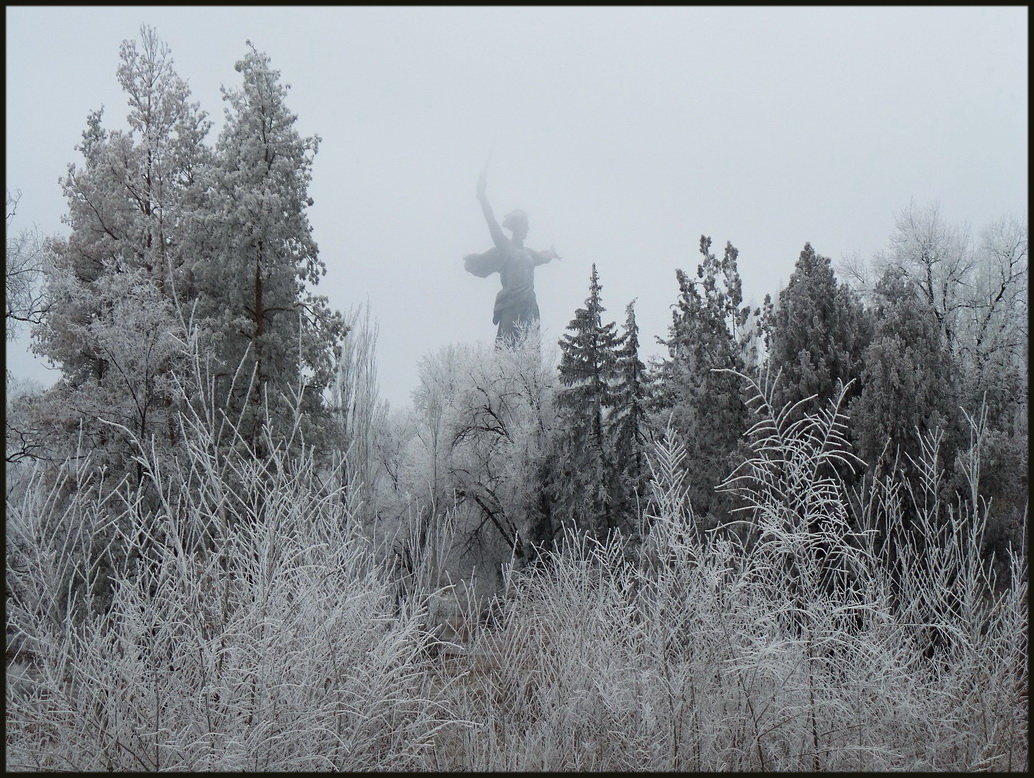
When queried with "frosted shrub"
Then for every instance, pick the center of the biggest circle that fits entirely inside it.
(782, 645)
(251, 626)
(229, 613)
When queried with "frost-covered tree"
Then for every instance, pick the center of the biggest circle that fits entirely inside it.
(628, 424)
(909, 382)
(441, 376)
(583, 470)
(977, 292)
(993, 337)
(130, 202)
(359, 412)
(25, 302)
(117, 289)
(993, 331)
(274, 340)
(705, 407)
(936, 258)
(976, 289)
(816, 334)
(480, 443)
(115, 283)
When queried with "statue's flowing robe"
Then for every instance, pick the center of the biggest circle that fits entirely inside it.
(515, 303)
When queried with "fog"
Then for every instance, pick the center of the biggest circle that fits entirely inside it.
(624, 133)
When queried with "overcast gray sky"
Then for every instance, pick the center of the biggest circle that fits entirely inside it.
(625, 133)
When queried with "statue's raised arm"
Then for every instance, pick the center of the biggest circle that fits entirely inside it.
(498, 238)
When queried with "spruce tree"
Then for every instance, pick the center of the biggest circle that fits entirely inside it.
(628, 425)
(587, 371)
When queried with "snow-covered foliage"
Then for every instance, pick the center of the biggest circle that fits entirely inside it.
(223, 553)
(791, 651)
(477, 442)
(257, 628)
(110, 284)
(261, 261)
(250, 624)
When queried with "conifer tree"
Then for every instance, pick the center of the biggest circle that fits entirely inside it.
(628, 424)
(587, 371)
(261, 315)
(705, 407)
(910, 393)
(909, 382)
(817, 333)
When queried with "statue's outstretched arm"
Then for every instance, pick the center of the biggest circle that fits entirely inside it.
(542, 257)
(498, 238)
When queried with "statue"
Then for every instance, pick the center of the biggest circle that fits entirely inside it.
(515, 304)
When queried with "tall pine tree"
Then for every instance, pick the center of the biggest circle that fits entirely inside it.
(260, 312)
(587, 370)
(628, 426)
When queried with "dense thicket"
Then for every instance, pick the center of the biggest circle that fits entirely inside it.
(304, 644)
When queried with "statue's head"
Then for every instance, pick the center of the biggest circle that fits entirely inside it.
(517, 222)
